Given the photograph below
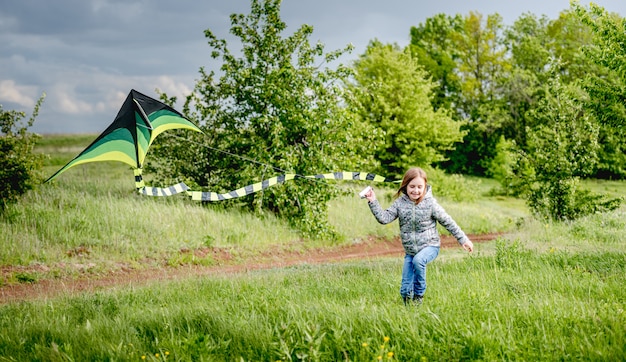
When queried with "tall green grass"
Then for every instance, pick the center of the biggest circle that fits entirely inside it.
(516, 304)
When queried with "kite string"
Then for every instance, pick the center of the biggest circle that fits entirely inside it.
(230, 153)
(255, 161)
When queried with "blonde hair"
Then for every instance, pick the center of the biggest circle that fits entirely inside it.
(409, 175)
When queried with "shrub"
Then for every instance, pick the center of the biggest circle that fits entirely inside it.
(19, 164)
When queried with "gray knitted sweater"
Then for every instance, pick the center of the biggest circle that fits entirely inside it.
(418, 222)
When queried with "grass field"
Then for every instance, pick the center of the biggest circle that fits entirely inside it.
(542, 292)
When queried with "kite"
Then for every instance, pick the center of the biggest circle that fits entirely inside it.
(140, 120)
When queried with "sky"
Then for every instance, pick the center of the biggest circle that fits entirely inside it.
(87, 55)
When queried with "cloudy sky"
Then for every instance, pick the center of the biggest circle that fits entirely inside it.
(88, 54)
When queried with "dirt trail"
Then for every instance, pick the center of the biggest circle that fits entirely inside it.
(50, 288)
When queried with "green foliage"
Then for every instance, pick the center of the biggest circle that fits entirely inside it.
(606, 83)
(392, 93)
(26, 277)
(529, 43)
(503, 161)
(566, 200)
(274, 109)
(561, 148)
(584, 41)
(433, 47)
(569, 35)
(612, 153)
(493, 76)
(522, 87)
(481, 66)
(20, 166)
(482, 60)
(455, 187)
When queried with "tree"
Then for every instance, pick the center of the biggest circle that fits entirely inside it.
(432, 44)
(482, 60)
(20, 165)
(273, 109)
(394, 95)
(568, 36)
(607, 88)
(481, 65)
(528, 43)
(562, 148)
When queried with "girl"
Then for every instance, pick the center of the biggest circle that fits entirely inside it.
(418, 213)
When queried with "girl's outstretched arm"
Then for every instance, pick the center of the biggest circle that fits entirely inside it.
(382, 216)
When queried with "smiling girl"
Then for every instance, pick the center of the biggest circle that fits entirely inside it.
(418, 213)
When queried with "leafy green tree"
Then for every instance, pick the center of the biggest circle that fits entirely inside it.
(562, 148)
(274, 108)
(608, 51)
(607, 88)
(482, 60)
(528, 42)
(482, 64)
(494, 76)
(20, 166)
(568, 35)
(533, 44)
(432, 44)
(393, 93)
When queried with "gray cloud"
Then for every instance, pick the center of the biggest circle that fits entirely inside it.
(87, 54)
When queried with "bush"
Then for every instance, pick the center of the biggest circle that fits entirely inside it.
(566, 200)
(20, 165)
(455, 187)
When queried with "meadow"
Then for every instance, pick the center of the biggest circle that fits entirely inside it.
(541, 291)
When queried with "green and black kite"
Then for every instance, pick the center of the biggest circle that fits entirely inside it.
(140, 120)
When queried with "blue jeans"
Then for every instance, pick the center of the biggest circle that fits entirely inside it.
(414, 272)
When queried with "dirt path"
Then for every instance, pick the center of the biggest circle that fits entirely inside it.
(50, 288)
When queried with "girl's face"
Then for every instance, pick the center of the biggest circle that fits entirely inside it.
(416, 188)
